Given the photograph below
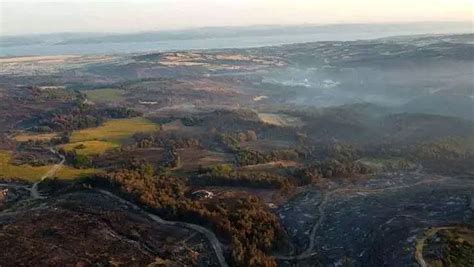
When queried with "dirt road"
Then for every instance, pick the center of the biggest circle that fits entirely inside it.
(34, 188)
(308, 252)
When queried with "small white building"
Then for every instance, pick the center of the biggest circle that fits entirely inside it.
(272, 206)
(202, 194)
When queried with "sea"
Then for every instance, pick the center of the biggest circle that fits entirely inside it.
(199, 44)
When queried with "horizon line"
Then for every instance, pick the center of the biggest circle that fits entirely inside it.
(241, 26)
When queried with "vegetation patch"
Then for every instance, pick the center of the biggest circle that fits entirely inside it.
(115, 130)
(394, 163)
(194, 158)
(25, 137)
(27, 172)
(30, 173)
(72, 173)
(88, 148)
(105, 95)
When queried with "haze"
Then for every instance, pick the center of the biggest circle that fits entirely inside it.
(33, 17)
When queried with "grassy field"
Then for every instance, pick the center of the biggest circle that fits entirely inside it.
(105, 95)
(193, 158)
(24, 137)
(89, 147)
(71, 173)
(30, 173)
(115, 131)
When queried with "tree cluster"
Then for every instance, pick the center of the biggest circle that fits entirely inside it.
(77, 117)
(333, 168)
(147, 140)
(77, 160)
(244, 157)
(251, 157)
(225, 175)
(446, 155)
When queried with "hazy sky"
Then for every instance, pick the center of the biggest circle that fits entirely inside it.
(30, 16)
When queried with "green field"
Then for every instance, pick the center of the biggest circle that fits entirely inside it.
(115, 131)
(105, 95)
(30, 173)
(89, 148)
(71, 173)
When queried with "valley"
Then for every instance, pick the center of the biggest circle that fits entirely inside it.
(331, 153)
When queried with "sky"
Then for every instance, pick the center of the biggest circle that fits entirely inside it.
(39, 16)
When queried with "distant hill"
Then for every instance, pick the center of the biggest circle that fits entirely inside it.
(371, 124)
(448, 105)
(247, 31)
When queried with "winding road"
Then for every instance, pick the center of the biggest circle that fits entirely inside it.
(215, 243)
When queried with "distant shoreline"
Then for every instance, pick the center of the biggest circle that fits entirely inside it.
(75, 46)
